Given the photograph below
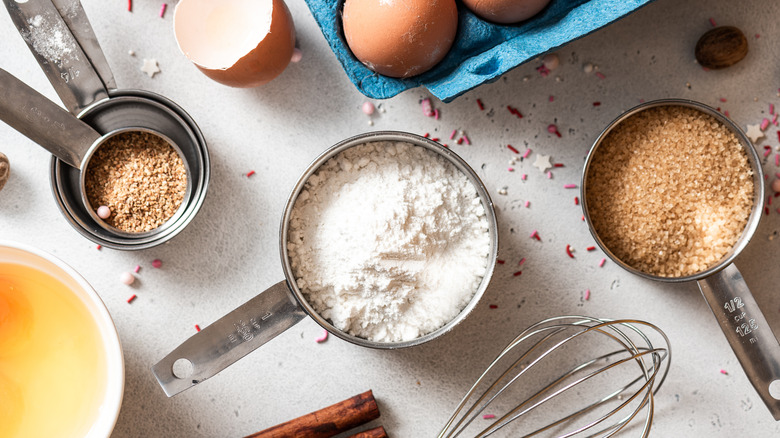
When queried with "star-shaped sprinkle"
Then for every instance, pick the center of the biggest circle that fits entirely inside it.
(542, 162)
(754, 132)
(150, 67)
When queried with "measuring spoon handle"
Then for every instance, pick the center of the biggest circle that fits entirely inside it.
(44, 122)
(747, 331)
(230, 338)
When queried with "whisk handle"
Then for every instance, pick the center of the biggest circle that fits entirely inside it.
(747, 331)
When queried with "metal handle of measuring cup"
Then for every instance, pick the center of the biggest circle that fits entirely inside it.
(230, 338)
(747, 331)
(64, 44)
(43, 122)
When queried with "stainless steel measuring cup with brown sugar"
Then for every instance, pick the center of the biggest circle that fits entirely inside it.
(282, 305)
(721, 283)
(62, 41)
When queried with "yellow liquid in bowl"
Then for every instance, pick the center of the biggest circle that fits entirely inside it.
(52, 363)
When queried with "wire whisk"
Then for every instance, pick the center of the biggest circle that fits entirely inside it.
(613, 370)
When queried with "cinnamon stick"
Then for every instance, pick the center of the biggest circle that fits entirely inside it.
(377, 432)
(328, 421)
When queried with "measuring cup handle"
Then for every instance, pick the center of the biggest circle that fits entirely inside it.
(747, 331)
(230, 338)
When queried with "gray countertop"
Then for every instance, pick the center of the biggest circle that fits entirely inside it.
(230, 251)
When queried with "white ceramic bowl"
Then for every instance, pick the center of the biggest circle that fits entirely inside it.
(11, 252)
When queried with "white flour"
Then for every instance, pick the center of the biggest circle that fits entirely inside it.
(388, 241)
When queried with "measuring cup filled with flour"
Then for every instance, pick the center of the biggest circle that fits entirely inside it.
(388, 240)
(673, 191)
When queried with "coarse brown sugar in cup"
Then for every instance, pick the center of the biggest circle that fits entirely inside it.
(669, 191)
(140, 177)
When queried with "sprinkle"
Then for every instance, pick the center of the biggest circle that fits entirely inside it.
(427, 109)
(535, 235)
(722, 99)
(587, 294)
(481, 106)
(129, 5)
(558, 165)
(601, 263)
(297, 55)
(527, 204)
(591, 248)
(436, 114)
(250, 173)
(427, 135)
(131, 299)
(764, 124)
(511, 169)
(766, 211)
(596, 103)
(322, 338)
(454, 132)
(568, 251)
(552, 129)
(156, 263)
(514, 111)
(524, 177)
(722, 371)
(520, 263)
(517, 274)
(368, 108)
(726, 113)
(576, 200)
(197, 327)
(528, 152)
(500, 262)
(493, 306)
(460, 140)
(551, 98)
(511, 148)
(712, 22)
(600, 75)
(436, 139)
(99, 247)
(767, 151)
(127, 278)
(549, 175)
(488, 416)
(466, 139)
(570, 186)
(771, 108)
(137, 268)
(162, 10)
(543, 71)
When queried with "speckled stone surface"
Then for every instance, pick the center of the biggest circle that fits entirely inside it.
(230, 252)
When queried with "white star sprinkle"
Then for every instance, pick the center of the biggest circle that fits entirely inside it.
(150, 67)
(542, 162)
(754, 132)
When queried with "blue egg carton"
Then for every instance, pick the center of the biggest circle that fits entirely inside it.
(482, 51)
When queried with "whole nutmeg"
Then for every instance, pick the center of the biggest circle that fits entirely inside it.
(721, 47)
(5, 170)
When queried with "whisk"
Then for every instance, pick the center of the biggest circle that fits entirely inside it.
(614, 370)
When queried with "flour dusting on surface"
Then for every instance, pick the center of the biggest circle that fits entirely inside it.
(388, 241)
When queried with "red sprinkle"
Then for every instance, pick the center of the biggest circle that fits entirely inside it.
(156, 263)
(552, 129)
(551, 98)
(500, 262)
(517, 274)
(766, 210)
(568, 251)
(137, 268)
(600, 75)
(514, 111)
(435, 139)
(99, 247)
(488, 416)
(130, 5)
(511, 148)
(427, 135)
(596, 103)
(558, 165)
(576, 200)
(587, 294)
(131, 299)
(520, 263)
(460, 140)
(481, 107)
(493, 306)
(197, 327)
(712, 22)
(591, 248)
(535, 235)
(250, 173)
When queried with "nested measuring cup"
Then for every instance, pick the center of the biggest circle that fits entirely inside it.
(722, 285)
(77, 69)
(282, 305)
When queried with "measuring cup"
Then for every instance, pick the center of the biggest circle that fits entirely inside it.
(76, 67)
(282, 305)
(722, 285)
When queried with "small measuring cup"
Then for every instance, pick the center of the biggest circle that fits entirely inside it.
(77, 69)
(282, 305)
(722, 285)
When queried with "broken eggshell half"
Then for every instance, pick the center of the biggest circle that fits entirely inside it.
(240, 43)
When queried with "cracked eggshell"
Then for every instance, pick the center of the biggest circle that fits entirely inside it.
(400, 38)
(505, 11)
(240, 43)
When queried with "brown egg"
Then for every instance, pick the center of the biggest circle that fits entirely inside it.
(400, 38)
(505, 11)
(240, 43)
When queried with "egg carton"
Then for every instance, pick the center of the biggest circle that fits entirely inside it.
(482, 51)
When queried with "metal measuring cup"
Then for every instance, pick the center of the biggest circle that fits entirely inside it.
(77, 69)
(722, 285)
(282, 305)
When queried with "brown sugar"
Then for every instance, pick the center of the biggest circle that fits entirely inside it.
(669, 191)
(140, 177)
